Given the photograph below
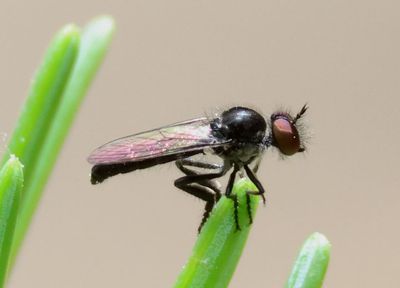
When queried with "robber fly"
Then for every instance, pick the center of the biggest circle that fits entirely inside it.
(239, 136)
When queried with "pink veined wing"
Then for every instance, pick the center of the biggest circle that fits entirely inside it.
(188, 136)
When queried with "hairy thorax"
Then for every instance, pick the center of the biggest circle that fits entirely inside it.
(242, 153)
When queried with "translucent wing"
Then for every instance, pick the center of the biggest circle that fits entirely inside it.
(179, 138)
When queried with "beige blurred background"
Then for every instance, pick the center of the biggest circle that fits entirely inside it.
(175, 60)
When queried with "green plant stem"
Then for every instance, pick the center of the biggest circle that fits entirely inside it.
(94, 42)
(39, 111)
(311, 264)
(43, 99)
(11, 183)
(219, 245)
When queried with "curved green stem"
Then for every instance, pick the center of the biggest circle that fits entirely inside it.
(219, 245)
(311, 264)
(59, 87)
(11, 183)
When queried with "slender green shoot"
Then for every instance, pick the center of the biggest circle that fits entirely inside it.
(43, 99)
(11, 183)
(311, 264)
(219, 245)
(40, 107)
(76, 69)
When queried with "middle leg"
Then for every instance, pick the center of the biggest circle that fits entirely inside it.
(233, 197)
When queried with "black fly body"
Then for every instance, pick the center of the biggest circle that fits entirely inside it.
(239, 136)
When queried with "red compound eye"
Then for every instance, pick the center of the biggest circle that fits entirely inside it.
(285, 135)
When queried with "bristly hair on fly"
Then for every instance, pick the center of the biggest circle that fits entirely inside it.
(282, 124)
(296, 119)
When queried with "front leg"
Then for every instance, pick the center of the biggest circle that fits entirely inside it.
(260, 191)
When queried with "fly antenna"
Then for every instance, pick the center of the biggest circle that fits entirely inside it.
(301, 113)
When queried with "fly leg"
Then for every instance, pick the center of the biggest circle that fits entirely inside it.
(213, 184)
(260, 191)
(233, 197)
(202, 186)
(190, 162)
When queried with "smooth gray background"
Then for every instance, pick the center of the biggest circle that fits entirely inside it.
(174, 60)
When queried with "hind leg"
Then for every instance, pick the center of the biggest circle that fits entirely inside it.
(212, 183)
(202, 186)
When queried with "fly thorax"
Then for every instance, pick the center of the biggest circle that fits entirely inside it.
(241, 125)
(243, 153)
